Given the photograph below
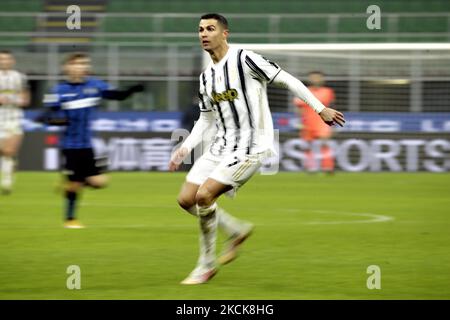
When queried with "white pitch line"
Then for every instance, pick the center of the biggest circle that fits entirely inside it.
(89, 204)
(374, 218)
(99, 226)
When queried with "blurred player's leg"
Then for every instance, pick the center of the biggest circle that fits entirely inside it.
(223, 178)
(327, 159)
(206, 208)
(234, 175)
(326, 152)
(73, 171)
(97, 166)
(10, 147)
(238, 232)
(311, 164)
(81, 169)
(71, 198)
(206, 267)
(208, 234)
(311, 161)
(98, 181)
(186, 197)
(226, 222)
(7, 168)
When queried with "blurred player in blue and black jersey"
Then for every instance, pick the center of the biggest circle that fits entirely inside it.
(72, 104)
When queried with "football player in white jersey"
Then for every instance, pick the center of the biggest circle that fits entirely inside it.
(233, 99)
(14, 96)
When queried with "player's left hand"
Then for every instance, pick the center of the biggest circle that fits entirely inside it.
(331, 116)
(177, 158)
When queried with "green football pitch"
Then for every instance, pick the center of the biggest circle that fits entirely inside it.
(315, 238)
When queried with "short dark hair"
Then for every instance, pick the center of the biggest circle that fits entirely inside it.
(6, 52)
(75, 55)
(220, 18)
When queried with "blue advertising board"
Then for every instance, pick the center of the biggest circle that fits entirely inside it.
(284, 122)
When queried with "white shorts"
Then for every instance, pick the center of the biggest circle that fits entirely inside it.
(10, 129)
(234, 169)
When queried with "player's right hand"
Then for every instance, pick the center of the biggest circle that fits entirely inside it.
(177, 158)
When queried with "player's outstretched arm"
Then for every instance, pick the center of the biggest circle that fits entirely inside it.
(330, 116)
(122, 94)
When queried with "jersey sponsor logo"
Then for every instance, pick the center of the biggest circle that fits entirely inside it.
(228, 95)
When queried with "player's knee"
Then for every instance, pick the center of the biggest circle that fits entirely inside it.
(73, 186)
(185, 202)
(97, 185)
(8, 152)
(98, 182)
(204, 198)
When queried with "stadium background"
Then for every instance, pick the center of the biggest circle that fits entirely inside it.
(318, 232)
(395, 100)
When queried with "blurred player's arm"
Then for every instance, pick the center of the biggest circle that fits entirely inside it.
(268, 71)
(122, 94)
(330, 116)
(53, 115)
(204, 122)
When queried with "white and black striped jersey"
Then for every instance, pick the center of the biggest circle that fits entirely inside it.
(12, 83)
(235, 90)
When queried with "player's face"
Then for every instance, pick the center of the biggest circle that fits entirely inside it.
(77, 69)
(211, 34)
(316, 79)
(6, 61)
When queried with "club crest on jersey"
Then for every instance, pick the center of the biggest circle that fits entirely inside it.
(228, 95)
